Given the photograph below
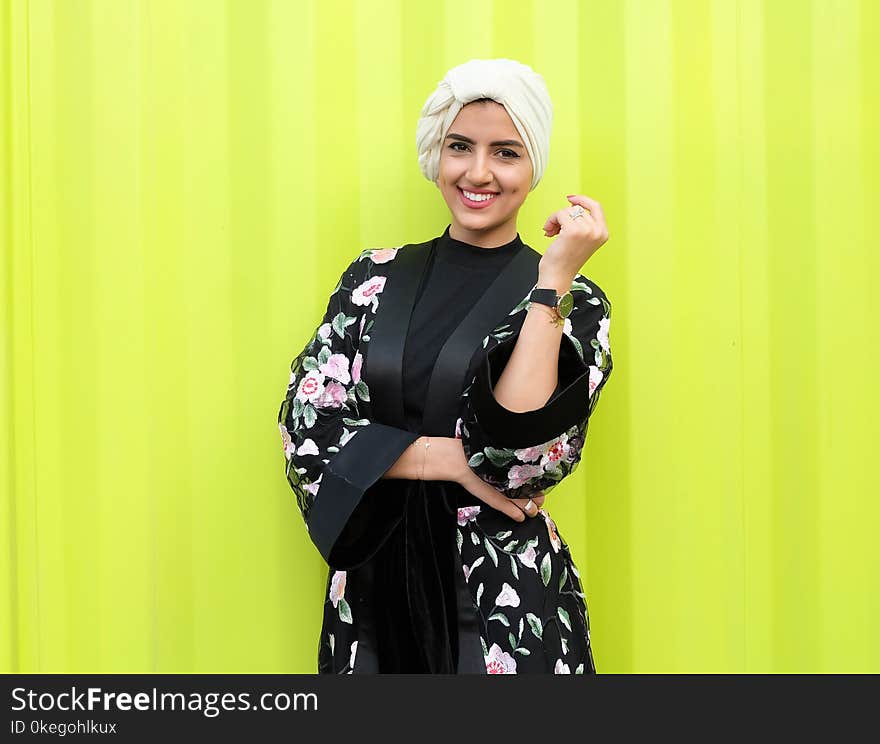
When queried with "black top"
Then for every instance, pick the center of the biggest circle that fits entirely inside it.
(458, 274)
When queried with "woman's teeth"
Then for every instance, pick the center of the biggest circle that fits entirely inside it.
(478, 197)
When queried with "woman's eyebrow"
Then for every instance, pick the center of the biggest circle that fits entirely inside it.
(510, 143)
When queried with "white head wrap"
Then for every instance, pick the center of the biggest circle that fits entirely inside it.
(516, 86)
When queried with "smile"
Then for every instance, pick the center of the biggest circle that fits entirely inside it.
(476, 201)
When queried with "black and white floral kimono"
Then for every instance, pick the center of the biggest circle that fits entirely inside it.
(424, 577)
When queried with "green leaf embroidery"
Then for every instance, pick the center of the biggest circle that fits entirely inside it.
(355, 422)
(514, 568)
(309, 416)
(344, 611)
(458, 539)
(580, 668)
(491, 551)
(535, 625)
(522, 624)
(323, 355)
(546, 569)
(503, 535)
(512, 640)
(362, 390)
(479, 592)
(483, 644)
(563, 615)
(499, 457)
(474, 538)
(297, 407)
(563, 577)
(332, 643)
(523, 651)
(309, 364)
(476, 459)
(502, 618)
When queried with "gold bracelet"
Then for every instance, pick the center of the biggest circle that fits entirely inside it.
(555, 318)
(427, 443)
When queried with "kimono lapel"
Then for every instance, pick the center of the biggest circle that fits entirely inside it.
(453, 362)
(383, 363)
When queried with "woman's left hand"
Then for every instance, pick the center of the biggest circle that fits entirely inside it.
(578, 239)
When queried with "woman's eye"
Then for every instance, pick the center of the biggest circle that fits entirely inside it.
(509, 156)
(511, 152)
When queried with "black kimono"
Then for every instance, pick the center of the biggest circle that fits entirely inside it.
(423, 576)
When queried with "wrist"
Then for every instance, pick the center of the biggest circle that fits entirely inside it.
(560, 281)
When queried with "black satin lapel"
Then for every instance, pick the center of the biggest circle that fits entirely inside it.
(453, 362)
(383, 362)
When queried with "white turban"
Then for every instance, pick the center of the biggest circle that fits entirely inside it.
(516, 86)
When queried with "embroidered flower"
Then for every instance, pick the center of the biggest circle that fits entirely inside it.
(325, 330)
(333, 396)
(383, 255)
(308, 447)
(595, 378)
(551, 530)
(561, 668)
(507, 597)
(363, 294)
(529, 453)
(337, 368)
(286, 442)
(356, 367)
(602, 335)
(566, 328)
(458, 429)
(520, 474)
(311, 386)
(499, 662)
(527, 557)
(555, 451)
(467, 514)
(361, 332)
(337, 587)
(312, 488)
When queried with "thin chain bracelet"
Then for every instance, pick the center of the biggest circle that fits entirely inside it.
(427, 443)
(554, 318)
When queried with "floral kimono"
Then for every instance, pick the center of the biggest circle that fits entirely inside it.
(424, 577)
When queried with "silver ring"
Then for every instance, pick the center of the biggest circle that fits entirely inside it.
(578, 211)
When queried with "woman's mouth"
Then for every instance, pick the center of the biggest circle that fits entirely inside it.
(475, 201)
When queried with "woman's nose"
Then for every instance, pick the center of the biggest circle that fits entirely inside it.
(479, 170)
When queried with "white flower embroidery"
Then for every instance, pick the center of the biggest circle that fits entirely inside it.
(286, 442)
(334, 395)
(507, 597)
(337, 587)
(312, 488)
(561, 668)
(308, 447)
(529, 454)
(311, 387)
(602, 335)
(325, 330)
(499, 662)
(364, 293)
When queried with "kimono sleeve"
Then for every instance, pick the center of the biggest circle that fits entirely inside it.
(522, 453)
(334, 455)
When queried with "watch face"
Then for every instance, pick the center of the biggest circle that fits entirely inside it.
(565, 305)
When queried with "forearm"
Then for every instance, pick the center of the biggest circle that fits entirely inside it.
(442, 460)
(530, 375)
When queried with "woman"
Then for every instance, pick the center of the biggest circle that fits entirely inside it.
(448, 388)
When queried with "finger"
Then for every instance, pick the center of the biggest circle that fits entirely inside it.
(592, 205)
(533, 510)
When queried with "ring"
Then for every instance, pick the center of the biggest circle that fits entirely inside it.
(578, 211)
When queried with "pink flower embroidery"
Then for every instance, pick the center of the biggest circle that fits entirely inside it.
(363, 294)
(333, 396)
(286, 442)
(529, 453)
(356, 367)
(499, 662)
(337, 587)
(324, 331)
(520, 474)
(555, 451)
(555, 541)
(383, 255)
(507, 597)
(311, 386)
(312, 488)
(595, 378)
(458, 429)
(337, 368)
(527, 557)
(467, 514)
(561, 668)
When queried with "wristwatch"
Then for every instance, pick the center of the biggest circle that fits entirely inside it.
(561, 304)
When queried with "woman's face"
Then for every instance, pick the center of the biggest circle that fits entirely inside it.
(484, 154)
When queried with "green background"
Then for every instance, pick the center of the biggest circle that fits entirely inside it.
(183, 182)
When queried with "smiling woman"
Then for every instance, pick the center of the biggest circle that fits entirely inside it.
(435, 405)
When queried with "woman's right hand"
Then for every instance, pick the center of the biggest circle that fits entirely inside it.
(454, 465)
